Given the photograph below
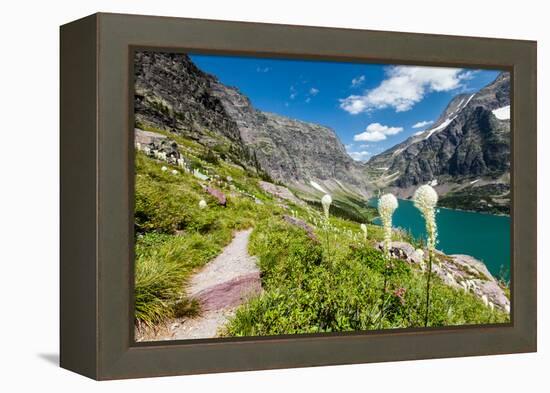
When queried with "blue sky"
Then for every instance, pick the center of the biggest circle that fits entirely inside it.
(370, 106)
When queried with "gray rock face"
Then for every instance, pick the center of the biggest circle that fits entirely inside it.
(458, 271)
(291, 151)
(467, 142)
(174, 95)
(154, 142)
(281, 192)
(303, 225)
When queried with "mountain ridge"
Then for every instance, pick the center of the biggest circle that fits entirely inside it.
(464, 154)
(173, 94)
(468, 147)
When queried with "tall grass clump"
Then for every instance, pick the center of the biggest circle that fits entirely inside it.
(179, 228)
(425, 200)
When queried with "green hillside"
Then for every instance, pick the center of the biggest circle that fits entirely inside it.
(329, 281)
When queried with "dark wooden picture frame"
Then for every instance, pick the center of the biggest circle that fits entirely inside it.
(97, 338)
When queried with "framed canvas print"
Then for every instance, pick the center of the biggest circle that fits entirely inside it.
(240, 196)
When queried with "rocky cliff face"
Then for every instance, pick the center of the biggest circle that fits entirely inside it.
(174, 95)
(458, 271)
(305, 155)
(468, 147)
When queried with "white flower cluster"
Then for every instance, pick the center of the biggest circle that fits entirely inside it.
(326, 201)
(364, 229)
(425, 200)
(202, 204)
(386, 206)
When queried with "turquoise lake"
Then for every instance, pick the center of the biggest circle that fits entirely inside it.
(483, 236)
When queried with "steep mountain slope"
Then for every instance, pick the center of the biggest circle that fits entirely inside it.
(304, 155)
(174, 95)
(465, 153)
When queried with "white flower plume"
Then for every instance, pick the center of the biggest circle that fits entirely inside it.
(364, 229)
(425, 199)
(386, 206)
(326, 201)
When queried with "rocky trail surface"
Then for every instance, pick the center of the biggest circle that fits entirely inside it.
(220, 287)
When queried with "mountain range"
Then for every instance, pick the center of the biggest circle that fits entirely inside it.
(464, 154)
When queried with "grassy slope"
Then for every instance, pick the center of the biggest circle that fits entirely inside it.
(174, 236)
(333, 284)
(310, 288)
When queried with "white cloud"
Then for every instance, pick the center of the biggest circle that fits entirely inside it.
(357, 81)
(263, 69)
(422, 124)
(293, 92)
(313, 91)
(359, 155)
(376, 132)
(308, 100)
(404, 87)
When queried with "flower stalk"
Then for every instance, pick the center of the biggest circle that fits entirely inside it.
(386, 207)
(326, 201)
(364, 230)
(425, 199)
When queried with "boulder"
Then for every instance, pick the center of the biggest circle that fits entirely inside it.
(301, 224)
(457, 271)
(220, 196)
(280, 192)
(155, 141)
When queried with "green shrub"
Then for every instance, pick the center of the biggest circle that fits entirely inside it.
(174, 237)
(305, 294)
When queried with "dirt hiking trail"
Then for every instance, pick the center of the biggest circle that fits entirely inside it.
(220, 287)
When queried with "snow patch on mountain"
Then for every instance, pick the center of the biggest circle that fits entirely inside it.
(317, 186)
(440, 127)
(502, 113)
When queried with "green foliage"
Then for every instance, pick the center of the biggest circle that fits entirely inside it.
(490, 198)
(347, 210)
(305, 289)
(306, 294)
(210, 157)
(163, 263)
(174, 237)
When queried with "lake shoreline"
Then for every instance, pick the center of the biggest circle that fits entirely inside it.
(484, 236)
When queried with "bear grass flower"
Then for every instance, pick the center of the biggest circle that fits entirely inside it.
(202, 204)
(364, 229)
(386, 206)
(326, 201)
(425, 199)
